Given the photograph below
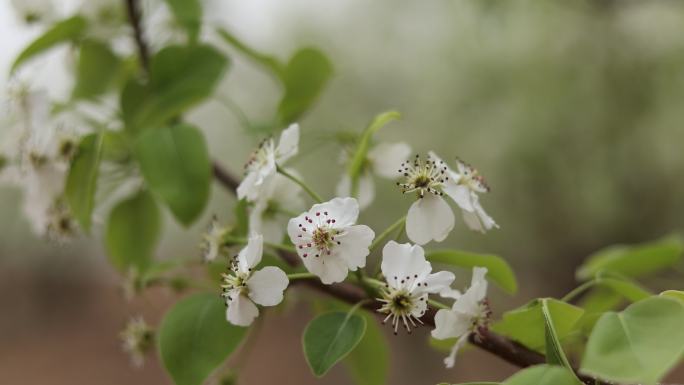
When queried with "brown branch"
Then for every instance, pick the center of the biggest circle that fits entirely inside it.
(226, 179)
(135, 19)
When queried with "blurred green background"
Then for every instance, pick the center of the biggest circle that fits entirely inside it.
(572, 110)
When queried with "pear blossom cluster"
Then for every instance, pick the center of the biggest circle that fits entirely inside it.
(330, 243)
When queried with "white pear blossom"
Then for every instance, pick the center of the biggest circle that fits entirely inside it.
(34, 11)
(409, 280)
(381, 160)
(268, 216)
(244, 288)
(328, 241)
(430, 217)
(38, 153)
(469, 312)
(137, 340)
(262, 164)
(213, 240)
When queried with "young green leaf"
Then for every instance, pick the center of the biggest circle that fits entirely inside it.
(359, 158)
(634, 261)
(527, 324)
(63, 31)
(175, 164)
(305, 76)
(195, 338)
(189, 15)
(537, 375)
(677, 294)
(329, 338)
(638, 345)
(180, 77)
(498, 269)
(81, 182)
(369, 361)
(554, 350)
(133, 230)
(543, 375)
(96, 70)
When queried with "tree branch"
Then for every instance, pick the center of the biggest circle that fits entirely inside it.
(134, 18)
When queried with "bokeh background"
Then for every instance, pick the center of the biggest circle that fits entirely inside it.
(572, 110)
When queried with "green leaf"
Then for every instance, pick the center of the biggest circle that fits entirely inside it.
(623, 286)
(133, 230)
(634, 261)
(526, 324)
(638, 345)
(63, 31)
(175, 164)
(180, 77)
(266, 61)
(543, 375)
(189, 15)
(195, 338)
(329, 338)
(554, 350)
(369, 361)
(358, 160)
(537, 375)
(304, 77)
(81, 182)
(498, 269)
(673, 294)
(96, 70)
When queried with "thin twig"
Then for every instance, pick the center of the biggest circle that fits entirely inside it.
(134, 17)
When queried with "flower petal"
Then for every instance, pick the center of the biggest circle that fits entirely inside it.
(386, 158)
(439, 282)
(241, 311)
(451, 359)
(402, 261)
(248, 188)
(250, 255)
(478, 220)
(420, 307)
(288, 144)
(429, 218)
(266, 286)
(345, 211)
(461, 194)
(469, 302)
(450, 324)
(353, 245)
(329, 268)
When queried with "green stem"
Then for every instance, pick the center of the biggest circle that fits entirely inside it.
(296, 276)
(301, 184)
(438, 304)
(400, 222)
(579, 290)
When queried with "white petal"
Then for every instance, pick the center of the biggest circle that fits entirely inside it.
(451, 359)
(450, 324)
(469, 302)
(402, 261)
(247, 187)
(250, 255)
(241, 311)
(329, 268)
(353, 246)
(366, 192)
(386, 158)
(461, 194)
(288, 144)
(479, 284)
(266, 286)
(256, 218)
(429, 218)
(345, 211)
(439, 282)
(478, 220)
